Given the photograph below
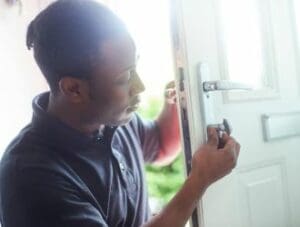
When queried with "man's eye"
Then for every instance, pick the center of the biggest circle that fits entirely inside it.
(132, 73)
(125, 78)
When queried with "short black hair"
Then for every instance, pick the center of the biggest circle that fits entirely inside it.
(66, 38)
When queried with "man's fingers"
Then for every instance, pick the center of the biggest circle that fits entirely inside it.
(171, 84)
(170, 95)
(232, 149)
(225, 138)
(213, 138)
(237, 148)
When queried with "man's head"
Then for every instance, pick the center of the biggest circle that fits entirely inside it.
(88, 58)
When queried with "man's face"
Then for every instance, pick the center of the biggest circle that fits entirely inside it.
(115, 86)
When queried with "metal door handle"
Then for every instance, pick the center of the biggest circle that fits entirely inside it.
(222, 128)
(225, 126)
(224, 85)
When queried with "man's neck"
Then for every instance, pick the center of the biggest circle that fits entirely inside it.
(70, 115)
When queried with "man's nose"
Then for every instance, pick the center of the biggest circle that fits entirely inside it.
(137, 85)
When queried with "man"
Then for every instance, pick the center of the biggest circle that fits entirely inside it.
(80, 161)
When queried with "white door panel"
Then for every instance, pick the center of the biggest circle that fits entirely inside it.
(263, 191)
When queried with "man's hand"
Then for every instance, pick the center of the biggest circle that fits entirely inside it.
(170, 93)
(210, 163)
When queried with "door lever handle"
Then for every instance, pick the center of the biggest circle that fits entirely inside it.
(224, 85)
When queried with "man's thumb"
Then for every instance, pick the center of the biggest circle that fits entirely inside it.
(213, 138)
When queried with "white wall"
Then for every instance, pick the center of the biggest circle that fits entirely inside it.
(20, 78)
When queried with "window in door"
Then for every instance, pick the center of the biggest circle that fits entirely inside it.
(246, 46)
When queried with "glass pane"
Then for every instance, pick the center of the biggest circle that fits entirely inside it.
(243, 41)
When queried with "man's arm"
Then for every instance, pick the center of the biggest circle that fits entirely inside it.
(168, 124)
(209, 164)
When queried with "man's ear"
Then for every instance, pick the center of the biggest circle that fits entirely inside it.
(75, 90)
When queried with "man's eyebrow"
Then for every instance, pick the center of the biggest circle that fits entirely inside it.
(120, 74)
(129, 67)
(132, 66)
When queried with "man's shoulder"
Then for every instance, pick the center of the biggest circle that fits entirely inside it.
(23, 145)
(25, 154)
(18, 146)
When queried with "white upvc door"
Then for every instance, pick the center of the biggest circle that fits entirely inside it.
(255, 43)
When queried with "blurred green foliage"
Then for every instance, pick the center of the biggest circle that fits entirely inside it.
(163, 182)
(152, 108)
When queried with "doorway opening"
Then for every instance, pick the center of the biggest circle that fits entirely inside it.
(149, 24)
